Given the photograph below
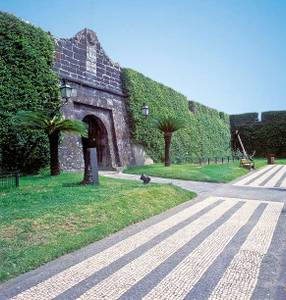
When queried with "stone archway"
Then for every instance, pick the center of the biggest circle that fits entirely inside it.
(97, 137)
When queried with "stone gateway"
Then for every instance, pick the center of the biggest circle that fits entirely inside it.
(98, 100)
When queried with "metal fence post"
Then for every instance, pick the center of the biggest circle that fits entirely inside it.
(17, 178)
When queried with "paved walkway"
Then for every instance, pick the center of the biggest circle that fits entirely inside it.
(196, 186)
(272, 176)
(214, 247)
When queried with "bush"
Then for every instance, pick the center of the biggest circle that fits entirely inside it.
(27, 82)
(264, 138)
(207, 132)
(267, 136)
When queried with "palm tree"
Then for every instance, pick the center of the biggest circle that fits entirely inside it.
(168, 125)
(52, 127)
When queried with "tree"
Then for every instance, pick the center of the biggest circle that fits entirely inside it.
(52, 127)
(168, 125)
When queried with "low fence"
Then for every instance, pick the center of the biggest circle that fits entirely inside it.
(217, 160)
(9, 179)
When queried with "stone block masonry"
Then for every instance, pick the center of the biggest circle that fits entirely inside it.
(98, 100)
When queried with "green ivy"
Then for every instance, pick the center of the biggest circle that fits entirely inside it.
(207, 133)
(267, 137)
(27, 82)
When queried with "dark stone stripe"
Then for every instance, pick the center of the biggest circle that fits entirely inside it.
(253, 179)
(80, 288)
(272, 275)
(269, 177)
(146, 284)
(278, 184)
(203, 288)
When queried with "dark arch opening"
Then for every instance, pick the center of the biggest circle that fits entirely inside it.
(97, 137)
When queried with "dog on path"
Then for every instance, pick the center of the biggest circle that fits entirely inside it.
(145, 179)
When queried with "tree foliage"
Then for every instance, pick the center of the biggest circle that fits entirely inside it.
(168, 125)
(40, 121)
(52, 126)
(27, 82)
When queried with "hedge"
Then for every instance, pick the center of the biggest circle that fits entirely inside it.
(274, 116)
(27, 82)
(242, 119)
(207, 133)
(265, 137)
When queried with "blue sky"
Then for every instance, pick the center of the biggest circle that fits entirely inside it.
(227, 54)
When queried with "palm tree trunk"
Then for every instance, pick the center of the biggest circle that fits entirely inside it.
(167, 138)
(54, 140)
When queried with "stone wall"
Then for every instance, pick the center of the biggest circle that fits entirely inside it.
(96, 81)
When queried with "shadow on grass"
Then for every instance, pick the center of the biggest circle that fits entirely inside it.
(73, 184)
(78, 184)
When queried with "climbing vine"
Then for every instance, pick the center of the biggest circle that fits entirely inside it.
(27, 82)
(207, 133)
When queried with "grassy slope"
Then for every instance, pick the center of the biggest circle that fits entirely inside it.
(47, 217)
(209, 173)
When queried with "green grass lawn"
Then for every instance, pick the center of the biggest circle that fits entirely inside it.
(47, 217)
(261, 162)
(210, 173)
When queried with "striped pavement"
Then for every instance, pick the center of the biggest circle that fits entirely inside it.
(176, 258)
(271, 176)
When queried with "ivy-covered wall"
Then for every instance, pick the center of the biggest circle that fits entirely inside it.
(207, 133)
(27, 82)
(266, 136)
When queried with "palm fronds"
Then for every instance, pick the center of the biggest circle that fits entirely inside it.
(32, 120)
(41, 121)
(168, 124)
(52, 126)
(71, 126)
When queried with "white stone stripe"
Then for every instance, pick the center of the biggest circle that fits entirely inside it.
(252, 176)
(283, 183)
(263, 177)
(178, 283)
(119, 282)
(275, 178)
(240, 278)
(64, 280)
(240, 199)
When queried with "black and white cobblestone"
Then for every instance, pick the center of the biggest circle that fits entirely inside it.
(215, 247)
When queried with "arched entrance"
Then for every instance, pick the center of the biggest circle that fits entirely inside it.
(97, 137)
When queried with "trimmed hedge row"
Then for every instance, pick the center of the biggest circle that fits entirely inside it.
(207, 133)
(274, 116)
(242, 119)
(266, 137)
(27, 82)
